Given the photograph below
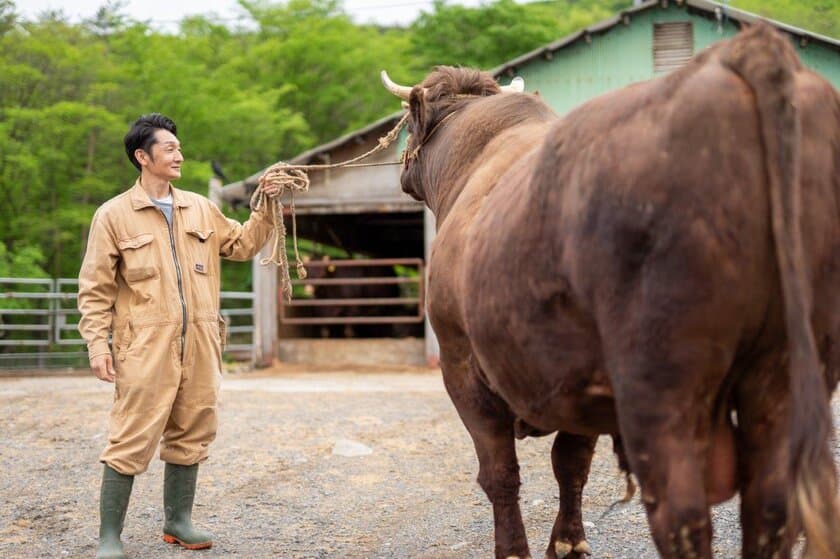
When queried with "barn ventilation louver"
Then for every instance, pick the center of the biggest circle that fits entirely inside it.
(673, 45)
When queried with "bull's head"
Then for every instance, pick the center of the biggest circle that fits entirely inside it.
(430, 103)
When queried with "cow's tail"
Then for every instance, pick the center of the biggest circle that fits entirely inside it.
(766, 61)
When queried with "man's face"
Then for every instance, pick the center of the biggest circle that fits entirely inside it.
(165, 159)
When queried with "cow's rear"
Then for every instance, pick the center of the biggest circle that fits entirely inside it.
(679, 212)
(675, 249)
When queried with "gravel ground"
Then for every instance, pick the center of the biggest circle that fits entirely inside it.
(274, 488)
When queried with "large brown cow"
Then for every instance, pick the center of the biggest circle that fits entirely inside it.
(644, 267)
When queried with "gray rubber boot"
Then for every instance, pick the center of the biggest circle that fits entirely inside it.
(178, 496)
(113, 502)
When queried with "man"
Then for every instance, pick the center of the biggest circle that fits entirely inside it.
(150, 280)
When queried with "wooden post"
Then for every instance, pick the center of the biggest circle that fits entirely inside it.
(214, 190)
(432, 347)
(265, 309)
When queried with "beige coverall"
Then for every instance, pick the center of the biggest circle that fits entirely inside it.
(155, 289)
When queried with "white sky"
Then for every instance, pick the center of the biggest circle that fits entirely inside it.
(164, 14)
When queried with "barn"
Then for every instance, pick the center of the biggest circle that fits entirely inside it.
(363, 211)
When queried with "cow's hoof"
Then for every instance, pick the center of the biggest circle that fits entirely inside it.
(583, 547)
(562, 549)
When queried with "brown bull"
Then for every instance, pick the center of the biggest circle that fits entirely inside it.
(644, 267)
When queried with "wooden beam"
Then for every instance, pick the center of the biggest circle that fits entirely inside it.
(214, 190)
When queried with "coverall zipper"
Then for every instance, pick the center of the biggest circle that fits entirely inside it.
(180, 284)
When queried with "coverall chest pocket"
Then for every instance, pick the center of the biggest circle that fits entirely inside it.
(203, 269)
(140, 266)
(138, 257)
(201, 250)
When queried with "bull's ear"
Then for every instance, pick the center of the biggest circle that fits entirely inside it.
(417, 108)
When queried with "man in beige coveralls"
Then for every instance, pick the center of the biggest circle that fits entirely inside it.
(150, 280)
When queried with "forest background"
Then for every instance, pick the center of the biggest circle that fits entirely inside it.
(298, 74)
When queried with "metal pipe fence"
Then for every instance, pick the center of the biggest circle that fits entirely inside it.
(39, 321)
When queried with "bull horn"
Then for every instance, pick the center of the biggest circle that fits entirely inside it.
(401, 91)
(517, 85)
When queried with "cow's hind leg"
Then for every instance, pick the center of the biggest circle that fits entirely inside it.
(665, 409)
(763, 458)
(571, 457)
(490, 424)
(664, 457)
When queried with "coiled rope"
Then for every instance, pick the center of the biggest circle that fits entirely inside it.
(294, 178)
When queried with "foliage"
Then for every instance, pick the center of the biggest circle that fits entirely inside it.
(819, 16)
(7, 15)
(327, 65)
(297, 74)
(26, 262)
(486, 37)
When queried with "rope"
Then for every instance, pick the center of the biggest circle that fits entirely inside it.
(294, 178)
(408, 157)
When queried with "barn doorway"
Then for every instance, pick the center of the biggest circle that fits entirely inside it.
(364, 278)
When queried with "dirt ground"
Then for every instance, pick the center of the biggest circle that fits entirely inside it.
(273, 486)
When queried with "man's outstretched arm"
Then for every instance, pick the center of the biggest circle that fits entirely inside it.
(243, 241)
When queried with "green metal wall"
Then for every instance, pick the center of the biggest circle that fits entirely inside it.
(624, 55)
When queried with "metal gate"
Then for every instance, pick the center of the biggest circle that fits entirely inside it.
(39, 321)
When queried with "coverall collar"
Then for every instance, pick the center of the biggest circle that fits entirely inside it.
(140, 198)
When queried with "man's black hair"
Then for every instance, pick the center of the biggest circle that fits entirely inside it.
(141, 135)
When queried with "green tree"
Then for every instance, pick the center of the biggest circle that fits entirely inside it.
(8, 16)
(819, 16)
(328, 66)
(57, 164)
(26, 262)
(109, 18)
(488, 35)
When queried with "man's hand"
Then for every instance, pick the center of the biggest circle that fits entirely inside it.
(270, 189)
(103, 367)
